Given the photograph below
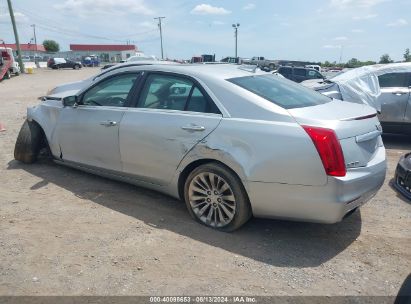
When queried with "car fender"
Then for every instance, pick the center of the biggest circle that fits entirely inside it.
(47, 115)
(210, 149)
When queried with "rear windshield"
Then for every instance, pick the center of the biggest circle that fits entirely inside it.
(282, 92)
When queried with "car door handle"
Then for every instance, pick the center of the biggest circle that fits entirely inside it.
(399, 93)
(108, 123)
(193, 128)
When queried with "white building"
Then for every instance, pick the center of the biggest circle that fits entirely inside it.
(106, 52)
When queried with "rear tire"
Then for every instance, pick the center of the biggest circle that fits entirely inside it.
(215, 197)
(76, 67)
(28, 142)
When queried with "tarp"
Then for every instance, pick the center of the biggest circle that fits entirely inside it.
(361, 85)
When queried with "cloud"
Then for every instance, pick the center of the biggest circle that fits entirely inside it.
(217, 22)
(19, 17)
(357, 31)
(343, 4)
(148, 24)
(207, 9)
(119, 7)
(249, 6)
(365, 17)
(398, 22)
(331, 46)
(340, 38)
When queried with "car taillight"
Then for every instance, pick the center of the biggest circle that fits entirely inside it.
(329, 149)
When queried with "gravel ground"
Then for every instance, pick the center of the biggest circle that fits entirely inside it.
(64, 232)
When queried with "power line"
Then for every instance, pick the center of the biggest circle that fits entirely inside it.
(94, 37)
(135, 34)
(53, 26)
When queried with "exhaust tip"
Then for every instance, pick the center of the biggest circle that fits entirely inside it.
(349, 213)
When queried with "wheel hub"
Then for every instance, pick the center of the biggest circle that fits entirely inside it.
(212, 199)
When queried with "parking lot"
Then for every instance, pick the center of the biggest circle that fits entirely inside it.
(65, 232)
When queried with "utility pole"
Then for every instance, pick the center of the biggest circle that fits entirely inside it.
(161, 34)
(35, 37)
(236, 26)
(16, 36)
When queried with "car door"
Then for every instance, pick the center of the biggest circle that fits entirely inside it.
(299, 74)
(68, 64)
(61, 63)
(394, 98)
(286, 72)
(407, 115)
(173, 114)
(88, 132)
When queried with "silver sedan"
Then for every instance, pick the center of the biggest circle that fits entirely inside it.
(230, 141)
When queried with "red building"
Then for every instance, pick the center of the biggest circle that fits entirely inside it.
(27, 49)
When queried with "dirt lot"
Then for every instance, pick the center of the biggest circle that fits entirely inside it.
(64, 232)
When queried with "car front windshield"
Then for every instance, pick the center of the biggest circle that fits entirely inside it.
(282, 92)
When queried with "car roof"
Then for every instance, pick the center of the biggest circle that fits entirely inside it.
(125, 65)
(216, 71)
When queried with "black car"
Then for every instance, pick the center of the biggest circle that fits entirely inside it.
(61, 63)
(402, 181)
(299, 74)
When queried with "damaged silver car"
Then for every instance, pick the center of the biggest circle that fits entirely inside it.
(229, 141)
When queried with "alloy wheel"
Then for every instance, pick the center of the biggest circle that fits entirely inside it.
(212, 199)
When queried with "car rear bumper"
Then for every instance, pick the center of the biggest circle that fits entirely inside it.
(402, 180)
(324, 204)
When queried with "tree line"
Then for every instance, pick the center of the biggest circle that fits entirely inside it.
(355, 63)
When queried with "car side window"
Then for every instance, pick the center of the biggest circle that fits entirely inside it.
(199, 103)
(112, 92)
(165, 92)
(174, 93)
(314, 74)
(299, 72)
(285, 71)
(391, 80)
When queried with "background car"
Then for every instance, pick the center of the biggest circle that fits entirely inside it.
(230, 142)
(385, 87)
(8, 64)
(90, 61)
(299, 74)
(62, 63)
(402, 180)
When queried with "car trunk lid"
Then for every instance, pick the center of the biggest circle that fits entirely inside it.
(355, 125)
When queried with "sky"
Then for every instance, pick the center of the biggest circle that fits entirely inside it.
(312, 30)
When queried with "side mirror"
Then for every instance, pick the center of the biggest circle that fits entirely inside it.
(70, 101)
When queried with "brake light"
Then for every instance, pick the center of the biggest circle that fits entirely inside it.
(329, 149)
